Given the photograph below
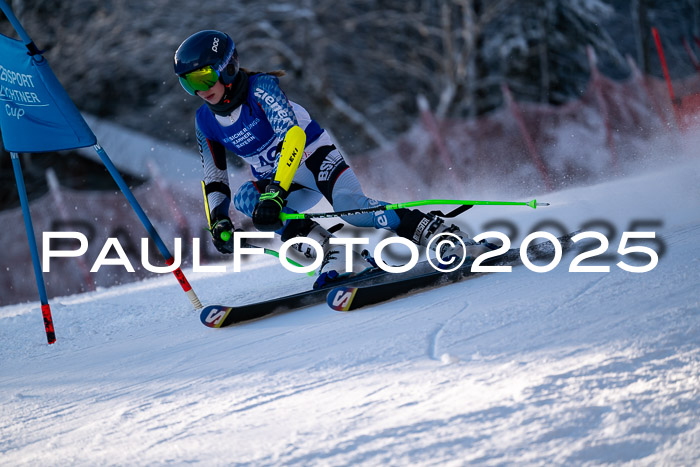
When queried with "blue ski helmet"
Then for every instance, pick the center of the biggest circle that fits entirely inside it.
(203, 58)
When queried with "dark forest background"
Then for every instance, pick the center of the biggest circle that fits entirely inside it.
(359, 66)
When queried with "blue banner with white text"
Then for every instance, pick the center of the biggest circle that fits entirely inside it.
(37, 115)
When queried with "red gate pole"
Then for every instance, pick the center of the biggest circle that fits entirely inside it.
(662, 58)
(529, 143)
(602, 105)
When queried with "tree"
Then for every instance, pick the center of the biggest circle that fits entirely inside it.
(539, 47)
(675, 20)
(357, 65)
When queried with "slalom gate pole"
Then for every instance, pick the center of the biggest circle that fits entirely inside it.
(169, 260)
(55, 190)
(667, 76)
(691, 55)
(45, 308)
(426, 202)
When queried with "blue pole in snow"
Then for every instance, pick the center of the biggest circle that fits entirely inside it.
(45, 309)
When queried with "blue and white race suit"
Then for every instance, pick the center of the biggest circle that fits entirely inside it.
(254, 131)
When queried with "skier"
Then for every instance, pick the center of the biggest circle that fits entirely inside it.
(247, 113)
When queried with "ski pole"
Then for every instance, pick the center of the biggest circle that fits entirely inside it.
(271, 252)
(226, 236)
(425, 202)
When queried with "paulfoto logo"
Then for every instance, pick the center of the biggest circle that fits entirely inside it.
(648, 257)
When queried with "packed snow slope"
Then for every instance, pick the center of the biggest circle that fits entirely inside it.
(509, 368)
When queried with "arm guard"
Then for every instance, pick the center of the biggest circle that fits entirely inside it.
(213, 156)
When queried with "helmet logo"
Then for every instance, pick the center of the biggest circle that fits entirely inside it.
(215, 45)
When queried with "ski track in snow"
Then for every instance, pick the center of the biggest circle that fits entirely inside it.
(435, 338)
(508, 368)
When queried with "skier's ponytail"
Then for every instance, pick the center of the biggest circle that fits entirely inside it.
(277, 73)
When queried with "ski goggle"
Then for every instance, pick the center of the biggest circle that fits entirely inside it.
(199, 80)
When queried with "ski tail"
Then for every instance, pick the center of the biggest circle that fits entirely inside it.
(340, 298)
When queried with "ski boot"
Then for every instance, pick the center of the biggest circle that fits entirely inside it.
(333, 267)
(430, 231)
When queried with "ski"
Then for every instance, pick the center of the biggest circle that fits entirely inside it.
(350, 297)
(219, 316)
(373, 286)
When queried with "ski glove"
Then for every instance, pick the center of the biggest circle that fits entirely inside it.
(266, 216)
(222, 235)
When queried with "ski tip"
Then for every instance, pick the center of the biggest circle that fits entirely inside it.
(213, 316)
(340, 298)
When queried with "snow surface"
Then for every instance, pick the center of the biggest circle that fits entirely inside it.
(509, 368)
